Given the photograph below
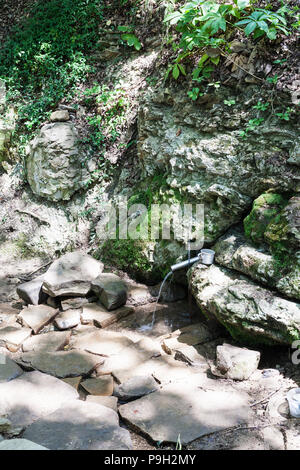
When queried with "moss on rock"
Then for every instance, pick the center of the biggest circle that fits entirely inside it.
(265, 209)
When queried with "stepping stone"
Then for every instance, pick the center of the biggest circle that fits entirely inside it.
(76, 302)
(68, 319)
(136, 387)
(47, 342)
(71, 275)
(111, 290)
(73, 381)
(80, 426)
(103, 386)
(32, 292)
(101, 317)
(184, 409)
(9, 370)
(13, 336)
(110, 402)
(37, 316)
(104, 343)
(32, 395)
(20, 444)
(61, 364)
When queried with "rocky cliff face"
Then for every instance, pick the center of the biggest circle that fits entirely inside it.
(177, 151)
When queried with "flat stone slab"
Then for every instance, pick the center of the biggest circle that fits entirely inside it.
(8, 314)
(76, 302)
(104, 343)
(20, 444)
(73, 381)
(110, 402)
(184, 409)
(47, 342)
(32, 395)
(37, 316)
(68, 319)
(130, 358)
(99, 386)
(61, 364)
(101, 317)
(13, 335)
(190, 335)
(136, 387)
(80, 426)
(9, 370)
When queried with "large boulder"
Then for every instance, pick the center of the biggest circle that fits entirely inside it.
(234, 251)
(250, 313)
(55, 162)
(71, 275)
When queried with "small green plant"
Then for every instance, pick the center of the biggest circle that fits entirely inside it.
(229, 102)
(202, 25)
(194, 93)
(285, 115)
(129, 37)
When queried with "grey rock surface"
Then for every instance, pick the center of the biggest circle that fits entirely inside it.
(33, 395)
(54, 164)
(249, 312)
(80, 426)
(111, 290)
(9, 370)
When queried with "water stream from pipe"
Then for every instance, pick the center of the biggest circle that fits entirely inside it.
(151, 325)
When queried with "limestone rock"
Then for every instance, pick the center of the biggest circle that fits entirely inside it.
(8, 314)
(33, 395)
(104, 343)
(9, 370)
(59, 115)
(103, 386)
(13, 335)
(80, 426)
(101, 317)
(32, 292)
(73, 381)
(5, 425)
(136, 387)
(186, 410)
(47, 342)
(68, 319)
(61, 364)
(76, 302)
(283, 233)
(54, 164)
(264, 210)
(235, 363)
(20, 444)
(249, 312)
(234, 251)
(37, 316)
(110, 402)
(111, 290)
(71, 275)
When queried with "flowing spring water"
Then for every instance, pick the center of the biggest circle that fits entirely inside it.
(150, 326)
